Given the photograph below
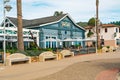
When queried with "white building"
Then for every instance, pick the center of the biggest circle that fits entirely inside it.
(11, 35)
(109, 34)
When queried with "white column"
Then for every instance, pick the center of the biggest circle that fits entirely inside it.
(44, 43)
(82, 43)
(50, 44)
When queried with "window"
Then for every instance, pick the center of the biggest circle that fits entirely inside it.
(119, 30)
(99, 30)
(105, 30)
(116, 29)
(89, 30)
(46, 37)
(65, 32)
(53, 37)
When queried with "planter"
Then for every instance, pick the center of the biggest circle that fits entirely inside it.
(7, 54)
(99, 51)
(59, 56)
(34, 59)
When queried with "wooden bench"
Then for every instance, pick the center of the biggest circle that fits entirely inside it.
(17, 57)
(66, 53)
(47, 55)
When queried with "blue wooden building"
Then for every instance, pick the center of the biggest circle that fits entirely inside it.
(56, 31)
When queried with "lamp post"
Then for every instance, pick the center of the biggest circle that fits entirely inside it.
(6, 8)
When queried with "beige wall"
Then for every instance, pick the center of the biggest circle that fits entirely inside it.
(109, 35)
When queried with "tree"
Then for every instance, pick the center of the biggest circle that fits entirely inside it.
(20, 26)
(115, 22)
(57, 13)
(82, 24)
(91, 22)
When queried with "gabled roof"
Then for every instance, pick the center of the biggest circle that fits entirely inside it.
(41, 21)
(14, 21)
(37, 22)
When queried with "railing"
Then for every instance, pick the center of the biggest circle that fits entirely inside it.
(84, 50)
(1, 60)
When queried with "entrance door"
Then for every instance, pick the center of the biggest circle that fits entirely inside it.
(64, 44)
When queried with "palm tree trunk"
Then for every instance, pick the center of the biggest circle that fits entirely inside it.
(97, 24)
(20, 26)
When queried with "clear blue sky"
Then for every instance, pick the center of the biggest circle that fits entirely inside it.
(79, 10)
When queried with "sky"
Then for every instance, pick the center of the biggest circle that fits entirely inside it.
(79, 10)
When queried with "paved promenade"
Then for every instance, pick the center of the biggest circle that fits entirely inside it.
(81, 67)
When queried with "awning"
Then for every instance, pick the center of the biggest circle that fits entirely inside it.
(51, 39)
(12, 40)
(28, 40)
(89, 39)
(2, 39)
(25, 40)
(68, 39)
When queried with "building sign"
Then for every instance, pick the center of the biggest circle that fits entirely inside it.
(65, 24)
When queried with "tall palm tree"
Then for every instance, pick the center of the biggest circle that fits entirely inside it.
(97, 23)
(20, 26)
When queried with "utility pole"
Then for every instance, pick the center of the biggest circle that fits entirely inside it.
(97, 23)
(20, 26)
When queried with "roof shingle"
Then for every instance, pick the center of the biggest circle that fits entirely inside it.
(37, 22)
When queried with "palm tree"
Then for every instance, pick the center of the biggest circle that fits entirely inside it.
(20, 27)
(57, 13)
(97, 22)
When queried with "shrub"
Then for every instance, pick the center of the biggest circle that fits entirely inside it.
(108, 47)
(33, 52)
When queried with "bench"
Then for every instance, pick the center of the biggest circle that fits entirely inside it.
(105, 49)
(17, 57)
(47, 55)
(112, 49)
(66, 53)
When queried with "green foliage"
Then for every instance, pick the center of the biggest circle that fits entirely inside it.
(91, 22)
(115, 34)
(82, 24)
(33, 52)
(89, 34)
(47, 49)
(57, 13)
(108, 47)
(36, 52)
(115, 22)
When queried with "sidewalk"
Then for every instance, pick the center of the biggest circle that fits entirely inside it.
(41, 69)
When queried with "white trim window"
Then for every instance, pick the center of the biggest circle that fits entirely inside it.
(50, 41)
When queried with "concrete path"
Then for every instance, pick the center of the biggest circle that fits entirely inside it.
(41, 69)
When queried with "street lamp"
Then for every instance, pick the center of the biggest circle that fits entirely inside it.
(6, 8)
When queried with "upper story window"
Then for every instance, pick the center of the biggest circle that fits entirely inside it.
(99, 30)
(65, 32)
(119, 30)
(106, 30)
(116, 29)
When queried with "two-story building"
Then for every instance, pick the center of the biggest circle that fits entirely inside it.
(109, 34)
(54, 31)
